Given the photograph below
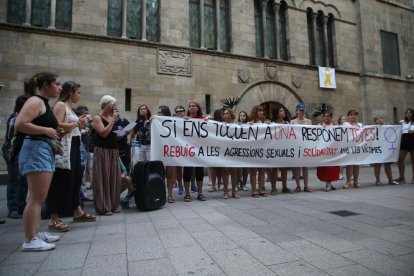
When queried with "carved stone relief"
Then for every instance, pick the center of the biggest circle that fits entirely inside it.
(243, 75)
(272, 72)
(174, 63)
(297, 81)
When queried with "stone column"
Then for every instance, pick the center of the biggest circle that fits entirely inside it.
(218, 25)
(264, 6)
(124, 18)
(276, 8)
(315, 44)
(28, 13)
(144, 20)
(52, 15)
(325, 40)
(202, 46)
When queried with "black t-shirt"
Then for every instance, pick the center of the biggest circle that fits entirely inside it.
(143, 131)
(120, 124)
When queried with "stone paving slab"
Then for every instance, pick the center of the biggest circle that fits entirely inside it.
(286, 234)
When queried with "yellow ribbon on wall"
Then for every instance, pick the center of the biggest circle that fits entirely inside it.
(327, 78)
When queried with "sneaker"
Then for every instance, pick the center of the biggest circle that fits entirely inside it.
(180, 190)
(194, 189)
(245, 188)
(37, 244)
(378, 183)
(393, 182)
(124, 204)
(47, 237)
(14, 215)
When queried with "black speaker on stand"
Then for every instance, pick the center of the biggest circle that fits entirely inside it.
(148, 177)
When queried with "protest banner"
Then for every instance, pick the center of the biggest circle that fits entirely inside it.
(181, 142)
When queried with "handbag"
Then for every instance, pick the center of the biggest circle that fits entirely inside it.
(62, 160)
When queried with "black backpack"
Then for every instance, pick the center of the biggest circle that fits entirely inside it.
(13, 142)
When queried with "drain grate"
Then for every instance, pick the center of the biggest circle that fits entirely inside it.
(344, 213)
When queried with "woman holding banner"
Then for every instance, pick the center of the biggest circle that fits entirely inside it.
(170, 171)
(301, 120)
(229, 117)
(407, 145)
(352, 170)
(279, 117)
(194, 112)
(243, 173)
(328, 174)
(257, 117)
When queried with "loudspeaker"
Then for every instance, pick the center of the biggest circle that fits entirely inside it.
(148, 178)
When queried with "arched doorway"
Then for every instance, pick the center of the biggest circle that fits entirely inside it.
(269, 94)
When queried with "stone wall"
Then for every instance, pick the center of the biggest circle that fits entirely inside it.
(171, 73)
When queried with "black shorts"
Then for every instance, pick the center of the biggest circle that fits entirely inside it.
(407, 142)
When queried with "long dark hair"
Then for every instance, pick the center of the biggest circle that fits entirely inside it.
(412, 115)
(67, 88)
(148, 112)
(255, 110)
(20, 100)
(247, 117)
(165, 110)
(41, 78)
(275, 114)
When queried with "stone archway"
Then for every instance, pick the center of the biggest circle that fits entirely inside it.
(267, 91)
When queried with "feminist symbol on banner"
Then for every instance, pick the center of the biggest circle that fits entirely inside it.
(391, 137)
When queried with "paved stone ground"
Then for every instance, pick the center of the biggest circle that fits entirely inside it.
(292, 234)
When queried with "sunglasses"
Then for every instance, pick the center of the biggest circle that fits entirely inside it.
(179, 111)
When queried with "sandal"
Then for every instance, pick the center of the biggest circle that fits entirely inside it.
(298, 190)
(171, 199)
(213, 189)
(225, 195)
(256, 195)
(262, 194)
(307, 189)
(187, 198)
(85, 217)
(58, 226)
(356, 185)
(108, 213)
(235, 195)
(201, 197)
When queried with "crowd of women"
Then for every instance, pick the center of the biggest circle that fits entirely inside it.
(43, 180)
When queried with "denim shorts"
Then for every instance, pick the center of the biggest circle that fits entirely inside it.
(36, 156)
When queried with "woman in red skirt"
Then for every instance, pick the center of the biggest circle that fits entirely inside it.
(328, 174)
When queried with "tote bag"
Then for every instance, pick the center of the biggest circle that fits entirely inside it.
(62, 160)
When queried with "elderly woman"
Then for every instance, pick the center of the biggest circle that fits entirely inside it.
(106, 169)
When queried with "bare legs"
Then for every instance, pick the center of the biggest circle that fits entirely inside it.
(296, 174)
(401, 165)
(226, 173)
(253, 180)
(38, 185)
(352, 171)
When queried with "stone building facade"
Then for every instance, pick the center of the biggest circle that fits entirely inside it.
(359, 38)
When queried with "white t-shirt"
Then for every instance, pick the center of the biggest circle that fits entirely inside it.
(349, 124)
(406, 127)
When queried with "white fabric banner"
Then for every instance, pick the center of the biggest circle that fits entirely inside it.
(327, 77)
(179, 142)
